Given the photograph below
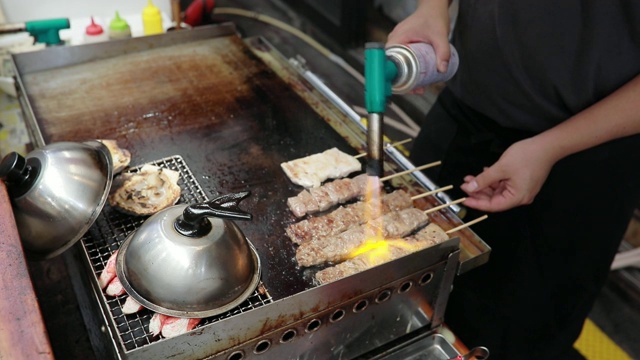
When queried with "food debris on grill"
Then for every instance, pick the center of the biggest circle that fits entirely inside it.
(313, 170)
(262, 290)
(146, 192)
(430, 235)
(338, 248)
(121, 157)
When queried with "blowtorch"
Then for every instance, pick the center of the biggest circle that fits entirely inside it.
(397, 69)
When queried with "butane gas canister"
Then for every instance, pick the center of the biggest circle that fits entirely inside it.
(416, 65)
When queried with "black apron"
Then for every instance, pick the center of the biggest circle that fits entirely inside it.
(550, 259)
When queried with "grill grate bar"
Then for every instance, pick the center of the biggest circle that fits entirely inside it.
(111, 229)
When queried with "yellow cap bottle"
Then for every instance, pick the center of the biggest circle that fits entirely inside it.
(151, 19)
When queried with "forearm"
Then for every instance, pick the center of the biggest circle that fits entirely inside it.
(434, 8)
(615, 116)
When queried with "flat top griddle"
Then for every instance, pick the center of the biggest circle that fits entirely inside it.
(207, 98)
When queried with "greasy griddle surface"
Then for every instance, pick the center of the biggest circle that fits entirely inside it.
(213, 102)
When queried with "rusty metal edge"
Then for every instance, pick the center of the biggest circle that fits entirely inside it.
(23, 334)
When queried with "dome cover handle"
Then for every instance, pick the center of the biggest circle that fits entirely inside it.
(18, 173)
(194, 223)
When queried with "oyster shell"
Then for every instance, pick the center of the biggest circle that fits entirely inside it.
(121, 157)
(145, 192)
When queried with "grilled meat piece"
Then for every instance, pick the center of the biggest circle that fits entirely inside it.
(145, 192)
(313, 170)
(115, 288)
(170, 326)
(324, 197)
(430, 235)
(302, 204)
(339, 247)
(156, 322)
(175, 326)
(119, 156)
(328, 195)
(109, 271)
(345, 190)
(343, 218)
(131, 306)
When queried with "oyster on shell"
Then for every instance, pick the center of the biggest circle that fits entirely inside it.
(145, 192)
(121, 157)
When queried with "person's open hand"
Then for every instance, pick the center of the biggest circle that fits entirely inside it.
(514, 180)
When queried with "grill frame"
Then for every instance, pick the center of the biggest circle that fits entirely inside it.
(418, 307)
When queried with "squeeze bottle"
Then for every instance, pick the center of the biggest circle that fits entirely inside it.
(94, 33)
(118, 28)
(151, 19)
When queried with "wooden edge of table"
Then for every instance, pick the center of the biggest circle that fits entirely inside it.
(23, 334)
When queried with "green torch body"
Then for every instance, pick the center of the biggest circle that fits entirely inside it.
(379, 73)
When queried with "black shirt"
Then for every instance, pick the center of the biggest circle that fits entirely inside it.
(531, 64)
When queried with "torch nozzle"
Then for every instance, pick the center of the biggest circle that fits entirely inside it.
(374, 144)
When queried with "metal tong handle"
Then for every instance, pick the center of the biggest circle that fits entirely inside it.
(194, 223)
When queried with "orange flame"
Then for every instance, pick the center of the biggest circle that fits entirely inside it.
(377, 248)
(378, 251)
(373, 206)
(371, 246)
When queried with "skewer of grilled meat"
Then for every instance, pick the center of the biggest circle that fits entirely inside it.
(323, 197)
(344, 217)
(339, 191)
(430, 235)
(337, 248)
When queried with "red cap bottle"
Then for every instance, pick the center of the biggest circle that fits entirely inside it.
(94, 33)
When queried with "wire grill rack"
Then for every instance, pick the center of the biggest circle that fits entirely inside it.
(111, 229)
